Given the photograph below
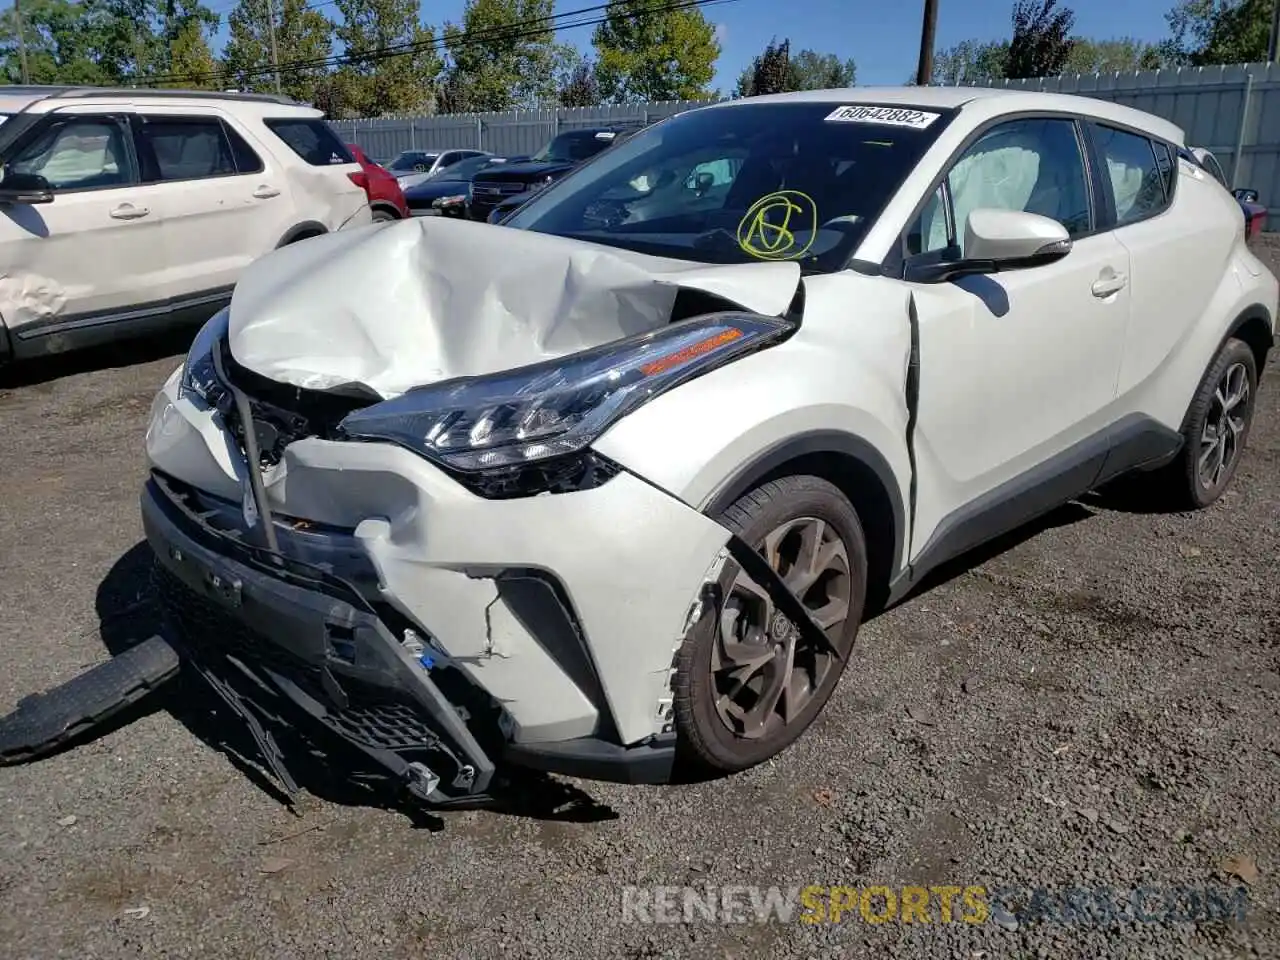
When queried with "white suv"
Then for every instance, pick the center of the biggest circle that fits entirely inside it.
(616, 482)
(124, 211)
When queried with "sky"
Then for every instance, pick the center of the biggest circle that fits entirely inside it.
(882, 36)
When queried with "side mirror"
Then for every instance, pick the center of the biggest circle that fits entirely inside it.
(24, 188)
(704, 182)
(1246, 195)
(998, 240)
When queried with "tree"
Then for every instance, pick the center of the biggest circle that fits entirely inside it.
(1122, 55)
(304, 40)
(646, 53)
(971, 62)
(190, 59)
(1206, 32)
(390, 64)
(62, 40)
(576, 85)
(501, 56)
(821, 71)
(777, 71)
(1041, 42)
(769, 73)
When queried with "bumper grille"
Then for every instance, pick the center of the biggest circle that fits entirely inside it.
(374, 717)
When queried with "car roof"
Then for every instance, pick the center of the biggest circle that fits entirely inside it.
(983, 102)
(43, 98)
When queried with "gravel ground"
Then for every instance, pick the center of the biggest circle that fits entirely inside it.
(1096, 704)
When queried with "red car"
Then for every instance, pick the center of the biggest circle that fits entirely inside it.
(386, 199)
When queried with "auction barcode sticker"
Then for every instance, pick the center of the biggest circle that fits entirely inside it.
(886, 116)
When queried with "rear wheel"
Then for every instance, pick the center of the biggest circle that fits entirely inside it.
(383, 216)
(748, 684)
(1214, 432)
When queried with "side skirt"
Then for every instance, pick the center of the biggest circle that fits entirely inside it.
(1134, 443)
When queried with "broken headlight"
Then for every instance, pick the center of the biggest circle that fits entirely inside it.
(198, 374)
(552, 409)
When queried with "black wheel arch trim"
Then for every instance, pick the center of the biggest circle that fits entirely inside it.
(300, 230)
(380, 206)
(837, 443)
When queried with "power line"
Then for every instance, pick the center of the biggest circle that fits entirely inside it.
(513, 31)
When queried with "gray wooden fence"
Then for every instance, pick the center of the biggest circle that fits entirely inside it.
(1234, 111)
(512, 133)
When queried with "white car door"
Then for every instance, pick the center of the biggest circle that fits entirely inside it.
(223, 205)
(94, 256)
(1017, 370)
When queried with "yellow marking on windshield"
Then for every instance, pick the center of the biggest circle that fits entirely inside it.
(768, 229)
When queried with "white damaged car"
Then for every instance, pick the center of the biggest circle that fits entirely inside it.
(612, 485)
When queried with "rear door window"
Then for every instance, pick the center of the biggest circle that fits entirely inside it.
(311, 139)
(188, 148)
(1133, 172)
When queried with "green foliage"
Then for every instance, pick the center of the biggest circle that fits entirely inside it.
(105, 41)
(1122, 55)
(303, 42)
(1041, 42)
(971, 62)
(576, 84)
(1204, 32)
(646, 54)
(390, 62)
(498, 59)
(776, 71)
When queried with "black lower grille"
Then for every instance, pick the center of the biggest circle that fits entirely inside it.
(374, 716)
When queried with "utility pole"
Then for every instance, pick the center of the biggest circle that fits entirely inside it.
(275, 56)
(1275, 29)
(22, 40)
(924, 72)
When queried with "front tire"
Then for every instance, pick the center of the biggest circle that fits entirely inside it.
(746, 684)
(1214, 432)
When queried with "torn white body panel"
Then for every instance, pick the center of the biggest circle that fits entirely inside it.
(406, 304)
(629, 557)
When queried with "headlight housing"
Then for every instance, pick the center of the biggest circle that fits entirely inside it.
(198, 374)
(548, 410)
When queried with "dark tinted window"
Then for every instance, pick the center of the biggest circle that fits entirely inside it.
(78, 153)
(189, 148)
(412, 161)
(1215, 169)
(1168, 169)
(575, 146)
(247, 159)
(463, 169)
(735, 184)
(313, 140)
(1034, 165)
(1135, 177)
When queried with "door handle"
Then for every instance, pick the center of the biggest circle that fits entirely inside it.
(266, 192)
(1106, 286)
(127, 211)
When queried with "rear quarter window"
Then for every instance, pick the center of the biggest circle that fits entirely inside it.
(311, 139)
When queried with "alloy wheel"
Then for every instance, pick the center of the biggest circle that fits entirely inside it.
(763, 672)
(1224, 426)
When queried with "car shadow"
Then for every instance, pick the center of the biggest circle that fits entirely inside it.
(1064, 516)
(129, 352)
(129, 613)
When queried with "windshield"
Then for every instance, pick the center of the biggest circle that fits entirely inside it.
(412, 160)
(463, 169)
(733, 184)
(575, 146)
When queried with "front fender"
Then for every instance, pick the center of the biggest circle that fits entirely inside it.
(839, 384)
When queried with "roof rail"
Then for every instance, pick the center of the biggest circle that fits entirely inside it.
(69, 92)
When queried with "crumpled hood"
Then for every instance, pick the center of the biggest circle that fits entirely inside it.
(394, 306)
